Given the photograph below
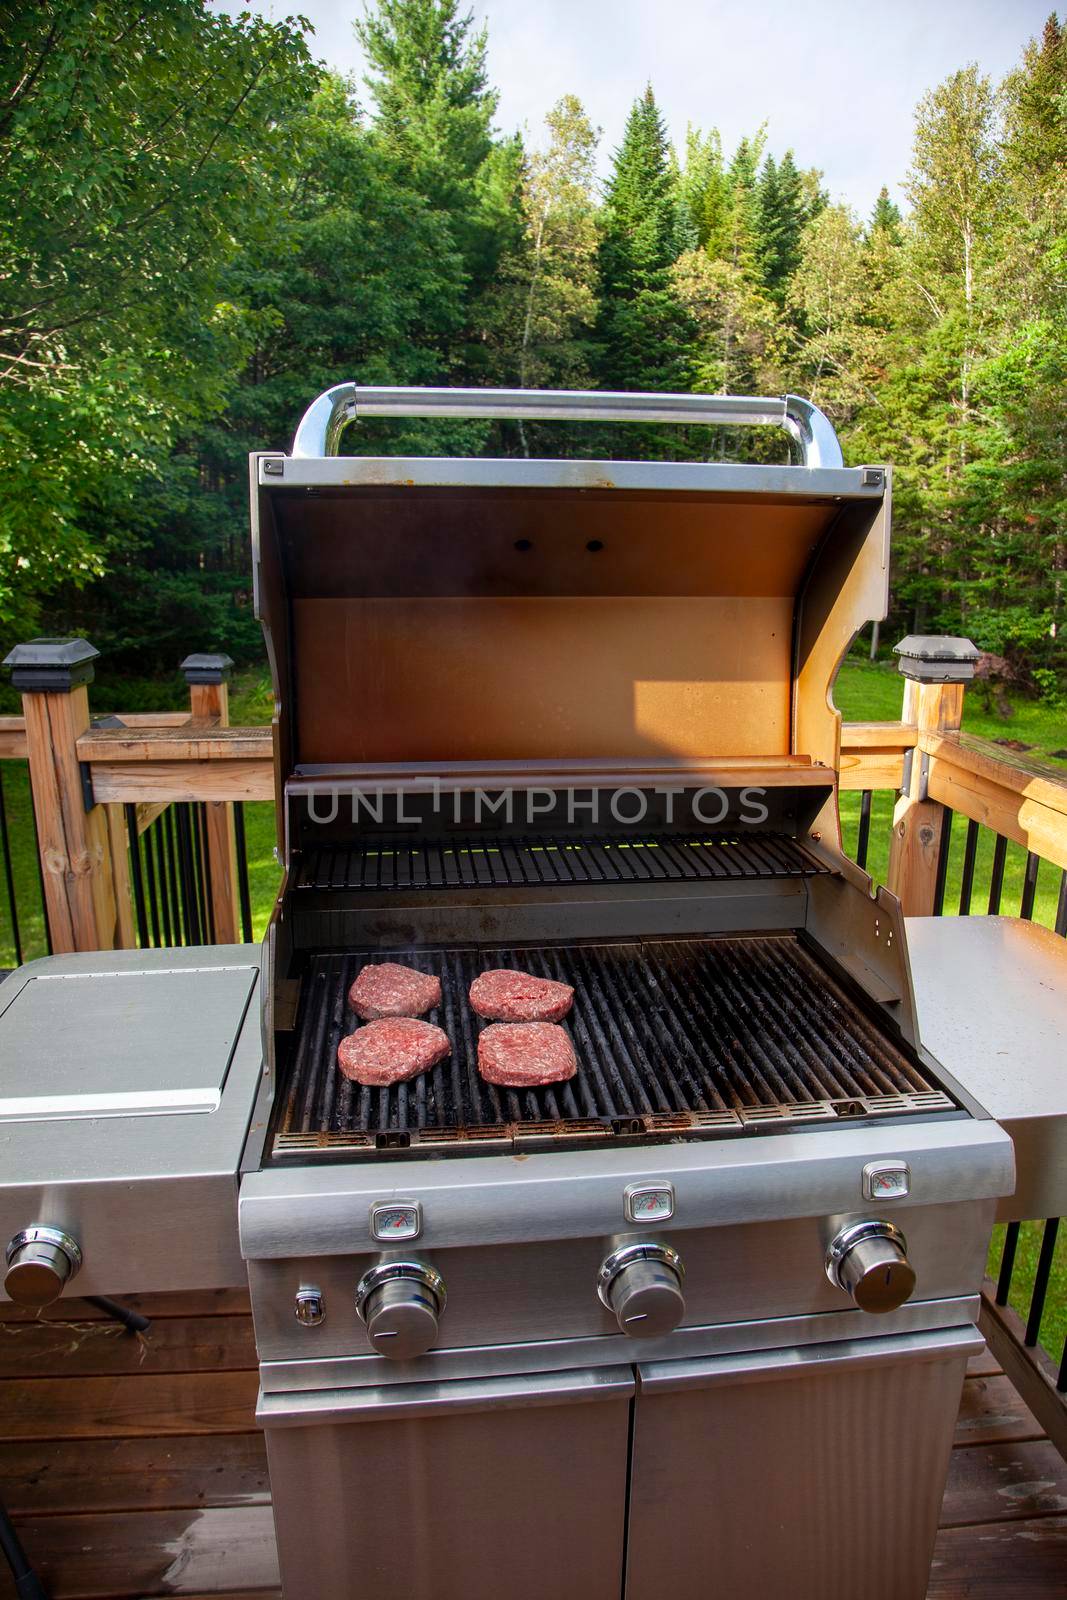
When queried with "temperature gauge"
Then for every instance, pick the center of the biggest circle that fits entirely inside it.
(650, 1203)
(886, 1180)
(396, 1220)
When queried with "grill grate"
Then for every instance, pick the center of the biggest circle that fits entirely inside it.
(682, 1038)
(470, 863)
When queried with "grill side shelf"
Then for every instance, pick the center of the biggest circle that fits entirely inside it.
(384, 864)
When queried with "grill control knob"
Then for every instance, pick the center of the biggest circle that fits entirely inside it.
(400, 1302)
(642, 1285)
(869, 1261)
(39, 1262)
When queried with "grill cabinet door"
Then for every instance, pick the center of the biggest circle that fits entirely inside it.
(811, 1474)
(466, 1490)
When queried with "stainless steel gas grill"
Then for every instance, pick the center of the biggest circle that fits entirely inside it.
(575, 718)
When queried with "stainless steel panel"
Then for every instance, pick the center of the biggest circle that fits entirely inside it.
(102, 1042)
(776, 1366)
(513, 1392)
(151, 1198)
(549, 914)
(992, 999)
(845, 483)
(525, 1294)
(502, 1199)
(500, 1493)
(558, 1355)
(824, 1485)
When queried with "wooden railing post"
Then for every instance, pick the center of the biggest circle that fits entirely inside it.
(209, 699)
(935, 670)
(75, 840)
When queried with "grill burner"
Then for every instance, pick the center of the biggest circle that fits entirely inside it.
(683, 1038)
(471, 863)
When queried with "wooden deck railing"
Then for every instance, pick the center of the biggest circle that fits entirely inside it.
(140, 835)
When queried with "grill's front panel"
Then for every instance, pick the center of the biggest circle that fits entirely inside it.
(510, 1298)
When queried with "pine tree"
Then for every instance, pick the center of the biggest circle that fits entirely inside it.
(732, 208)
(642, 329)
(429, 83)
(886, 215)
(782, 209)
(639, 209)
(692, 181)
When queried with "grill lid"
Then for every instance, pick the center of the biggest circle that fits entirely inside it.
(447, 611)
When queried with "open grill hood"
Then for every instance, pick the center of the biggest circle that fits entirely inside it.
(528, 620)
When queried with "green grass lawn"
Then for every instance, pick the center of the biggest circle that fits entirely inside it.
(864, 693)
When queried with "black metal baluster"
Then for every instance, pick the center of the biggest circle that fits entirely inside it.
(1026, 905)
(996, 881)
(1061, 907)
(9, 878)
(150, 886)
(1007, 1263)
(1061, 1379)
(40, 878)
(207, 910)
(243, 891)
(970, 852)
(185, 867)
(135, 871)
(1044, 1268)
(196, 854)
(942, 861)
(171, 833)
(161, 868)
(863, 838)
(192, 854)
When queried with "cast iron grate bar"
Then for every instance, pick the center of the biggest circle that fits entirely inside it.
(469, 863)
(674, 1038)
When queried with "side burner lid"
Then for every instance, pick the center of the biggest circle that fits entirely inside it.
(114, 1043)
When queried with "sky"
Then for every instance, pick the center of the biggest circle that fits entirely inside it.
(836, 80)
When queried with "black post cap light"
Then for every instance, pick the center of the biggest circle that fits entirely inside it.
(206, 668)
(51, 666)
(936, 658)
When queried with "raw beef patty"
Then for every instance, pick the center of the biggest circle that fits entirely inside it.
(390, 990)
(522, 1055)
(391, 1050)
(506, 996)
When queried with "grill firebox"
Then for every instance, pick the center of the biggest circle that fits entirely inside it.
(674, 1038)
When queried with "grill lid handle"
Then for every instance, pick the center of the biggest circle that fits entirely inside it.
(321, 426)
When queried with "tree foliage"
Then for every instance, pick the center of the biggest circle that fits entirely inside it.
(138, 144)
(200, 229)
(540, 315)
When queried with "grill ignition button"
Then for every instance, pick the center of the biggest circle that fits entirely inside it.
(309, 1308)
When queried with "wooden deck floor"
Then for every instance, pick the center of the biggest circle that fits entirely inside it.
(133, 1468)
